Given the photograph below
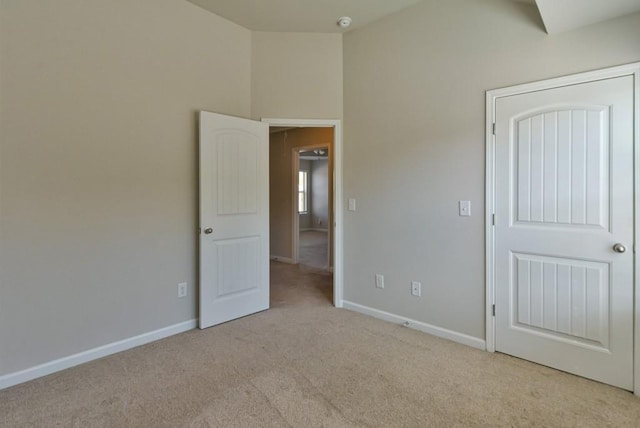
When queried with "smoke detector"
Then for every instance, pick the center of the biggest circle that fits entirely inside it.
(344, 22)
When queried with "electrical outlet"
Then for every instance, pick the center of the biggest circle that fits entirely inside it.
(464, 208)
(416, 288)
(182, 289)
(379, 280)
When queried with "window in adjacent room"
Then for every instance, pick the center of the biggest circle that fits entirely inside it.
(302, 192)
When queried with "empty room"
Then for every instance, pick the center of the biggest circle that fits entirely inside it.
(468, 260)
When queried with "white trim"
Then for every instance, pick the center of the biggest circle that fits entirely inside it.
(283, 260)
(50, 367)
(489, 235)
(338, 277)
(636, 227)
(295, 215)
(433, 330)
(607, 73)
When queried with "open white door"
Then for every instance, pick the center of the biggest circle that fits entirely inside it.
(234, 218)
(564, 232)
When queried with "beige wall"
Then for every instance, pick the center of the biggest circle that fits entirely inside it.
(415, 87)
(98, 168)
(98, 151)
(296, 75)
(281, 145)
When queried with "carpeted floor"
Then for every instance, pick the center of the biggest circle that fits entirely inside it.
(313, 249)
(304, 363)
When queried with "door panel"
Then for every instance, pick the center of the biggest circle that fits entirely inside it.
(234, 218)
(237, 162)
(238, 265)
(564, 197)
(562, 167)
(564, 299)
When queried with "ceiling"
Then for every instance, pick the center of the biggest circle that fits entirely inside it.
(313, 155)
(312, 16)
(321, 16)
(565, 15)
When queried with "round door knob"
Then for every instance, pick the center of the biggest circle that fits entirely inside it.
(208, 231)
(619, 248)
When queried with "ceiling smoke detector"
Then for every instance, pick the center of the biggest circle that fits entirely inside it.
(344, 22)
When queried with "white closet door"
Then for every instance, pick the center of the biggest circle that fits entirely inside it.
(564, 216)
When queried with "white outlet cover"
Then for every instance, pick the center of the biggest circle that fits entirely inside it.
(182, 289)
(465, 208)
(416, 288)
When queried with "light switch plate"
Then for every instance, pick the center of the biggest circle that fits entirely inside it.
(379, 280)
(352, 204)
(465, 208)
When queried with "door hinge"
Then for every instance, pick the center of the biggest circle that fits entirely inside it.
(494, 128)
(493, 219)
(493, 310)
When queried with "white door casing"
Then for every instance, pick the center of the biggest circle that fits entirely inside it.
(560, 177)
(234, 218)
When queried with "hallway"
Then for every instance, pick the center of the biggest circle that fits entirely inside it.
(298, 285)
(313, 249)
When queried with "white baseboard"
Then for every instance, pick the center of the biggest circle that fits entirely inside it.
(454, 336)
(283, 259)
(50, 367)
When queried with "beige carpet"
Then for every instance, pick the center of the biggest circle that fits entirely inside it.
(313, 249)
(306, 364)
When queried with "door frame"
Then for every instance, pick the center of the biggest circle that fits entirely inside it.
(574, 79)
(338, 272)
(295, 224)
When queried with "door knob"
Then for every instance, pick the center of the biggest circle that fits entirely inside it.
(209, 231)
(619, 248)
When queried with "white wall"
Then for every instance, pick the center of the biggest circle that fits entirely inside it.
(320, 194)
(98, 172)
(414, 142)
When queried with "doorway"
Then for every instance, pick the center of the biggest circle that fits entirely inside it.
(560, 218)
(312, 172)
(288, 138)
